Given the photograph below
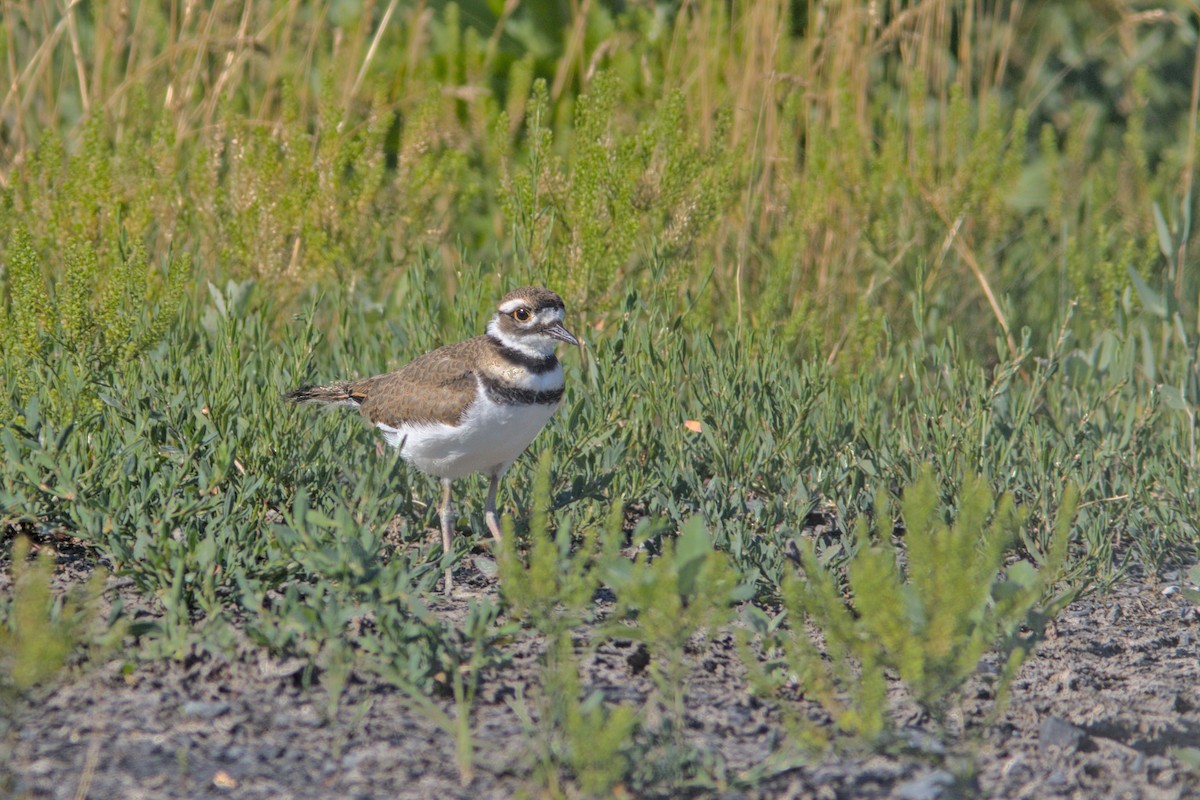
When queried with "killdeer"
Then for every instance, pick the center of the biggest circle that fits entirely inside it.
(468, 407)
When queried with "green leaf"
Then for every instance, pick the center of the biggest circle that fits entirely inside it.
(486, 566)
(1173, 397)
(694, 541)
(1164, 233)
(1189, 757)
(1023, 574)
(1152, 301)
(691, 552)
(218, 299)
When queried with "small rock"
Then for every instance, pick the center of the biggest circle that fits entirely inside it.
(270, 668)
(205, 709)
(224, 780)
(308, 716)
(1170, 590)
(929, 786)
(354, 759)
(486, 566)
(923, 742)
(638, 660)
(1014, 766)
(1057, 778)
(43, 766)
(1165, 779)
(1056, 731)
(1158, 764)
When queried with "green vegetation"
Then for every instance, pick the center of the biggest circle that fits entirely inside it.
(930, 621)
(819, 253)
(552, 590)
(42, 631)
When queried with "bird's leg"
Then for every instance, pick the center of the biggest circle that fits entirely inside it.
(446, 512)
(489, 509)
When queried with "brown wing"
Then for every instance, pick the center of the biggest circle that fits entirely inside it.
(436, 387)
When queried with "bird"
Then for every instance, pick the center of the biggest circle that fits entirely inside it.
(473, 406)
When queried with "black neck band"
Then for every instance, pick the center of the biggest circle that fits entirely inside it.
(535, 364)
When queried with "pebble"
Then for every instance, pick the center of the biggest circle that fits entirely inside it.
(1158, 763)
(929, 786)
(354, 759)
(739, 716)
(923, 741)
(638, 660)
(205, 709)
(1056, 731)
(43, 766)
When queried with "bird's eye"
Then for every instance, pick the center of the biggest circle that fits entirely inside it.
(522, 314)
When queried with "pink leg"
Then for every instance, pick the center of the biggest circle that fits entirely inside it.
(489, 510)
(446, 512)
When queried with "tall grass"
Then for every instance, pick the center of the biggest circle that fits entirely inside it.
(807, 165)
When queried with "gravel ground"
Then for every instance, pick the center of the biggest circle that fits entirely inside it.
(1096, 712)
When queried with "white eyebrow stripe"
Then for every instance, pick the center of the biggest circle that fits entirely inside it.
(512, 305)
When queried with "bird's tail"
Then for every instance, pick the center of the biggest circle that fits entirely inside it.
(335, 394)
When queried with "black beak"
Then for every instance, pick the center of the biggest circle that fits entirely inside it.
(562, 334)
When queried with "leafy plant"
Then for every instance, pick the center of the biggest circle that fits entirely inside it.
(70, 328)
(686, 589)
(927, 613)
(40, 631)
(580, 223)
(553, 590)
(665, 601)
(1193, 592)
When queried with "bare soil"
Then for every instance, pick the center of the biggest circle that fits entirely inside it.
(1098, 711)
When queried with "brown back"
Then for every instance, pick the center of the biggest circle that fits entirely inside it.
(436, 387)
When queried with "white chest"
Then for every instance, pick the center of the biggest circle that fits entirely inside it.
(490, 438)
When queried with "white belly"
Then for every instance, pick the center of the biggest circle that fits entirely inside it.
(490, 437)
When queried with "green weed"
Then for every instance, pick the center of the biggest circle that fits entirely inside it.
(41, 631)
(553, 589)
(70, 328)
(188, 451)
(927, 612)
(838, 176)
(685, 592)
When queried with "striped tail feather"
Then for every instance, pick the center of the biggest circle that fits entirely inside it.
(335, 394)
